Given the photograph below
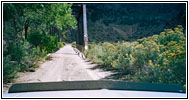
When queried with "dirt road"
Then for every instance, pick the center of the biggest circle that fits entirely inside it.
(65, 65)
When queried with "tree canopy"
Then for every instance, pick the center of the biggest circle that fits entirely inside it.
(30, 32)
(39, 16)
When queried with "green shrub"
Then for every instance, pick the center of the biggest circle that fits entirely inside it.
(44, 41)
(19, 56)
(50, 43)
(35, 38)
(74, 44)
(91, 45)
(156, 59)
(61, 44)
(64, 43)
(169, 61)
(10, 69)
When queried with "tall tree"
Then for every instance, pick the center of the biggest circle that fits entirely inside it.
(40, 16)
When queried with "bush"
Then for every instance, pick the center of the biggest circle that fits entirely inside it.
(44, 41)
(156, 59)
(64, 43)
(10, 69)
(74, 44)
(18, 56)
(61, 44)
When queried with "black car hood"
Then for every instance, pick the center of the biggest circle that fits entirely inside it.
(94, 85)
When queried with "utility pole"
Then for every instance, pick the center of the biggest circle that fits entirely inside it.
(85, 27)
(81, 36)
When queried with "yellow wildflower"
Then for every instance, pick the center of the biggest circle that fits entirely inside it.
(150, 63)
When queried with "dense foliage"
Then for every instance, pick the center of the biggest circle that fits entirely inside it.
(30, 31)
(156, 59)
(44, 41)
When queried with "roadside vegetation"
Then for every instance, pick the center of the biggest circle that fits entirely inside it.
(155, 59)
(30, 32)
(74, 44)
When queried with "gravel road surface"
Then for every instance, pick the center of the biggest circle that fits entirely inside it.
(65, 65)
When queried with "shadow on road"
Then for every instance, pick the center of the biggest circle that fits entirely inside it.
(116, 74)
(68, 53)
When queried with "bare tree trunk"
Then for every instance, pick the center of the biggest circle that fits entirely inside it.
(50, 29)
(26, 29)
(3, 25)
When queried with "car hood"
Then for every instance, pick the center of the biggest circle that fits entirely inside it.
(100, 88)
(97, 94)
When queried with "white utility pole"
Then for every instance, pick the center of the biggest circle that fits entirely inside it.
(85, 27)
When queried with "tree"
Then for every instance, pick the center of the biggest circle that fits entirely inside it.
(23, 19)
